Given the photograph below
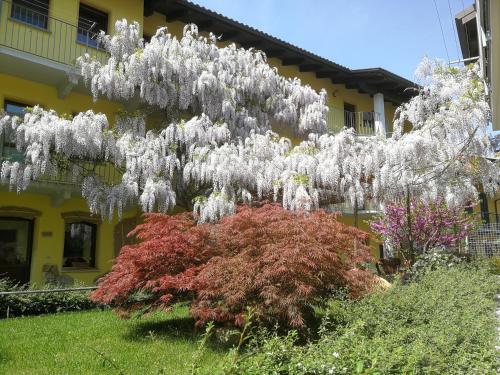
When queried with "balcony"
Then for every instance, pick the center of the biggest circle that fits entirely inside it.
(41, 48)
(364, 123)
(347, 209)
(65, 179)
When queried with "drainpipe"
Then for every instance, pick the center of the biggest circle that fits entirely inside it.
(378, 108)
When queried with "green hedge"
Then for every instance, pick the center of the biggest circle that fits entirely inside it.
(443, 324)
(41, 303)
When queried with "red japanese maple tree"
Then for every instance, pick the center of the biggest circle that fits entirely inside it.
(276, 261)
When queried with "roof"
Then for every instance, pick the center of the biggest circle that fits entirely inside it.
(370, 81)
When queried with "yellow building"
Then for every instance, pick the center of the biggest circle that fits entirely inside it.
(47, 232)
(478, 29)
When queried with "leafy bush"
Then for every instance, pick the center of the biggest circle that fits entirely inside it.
(280, 263)
(40, 303)
(495, 265)
(442, 324)
(433, 260)
(277, 262)
(158, 271)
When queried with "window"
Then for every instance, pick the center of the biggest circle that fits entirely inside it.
(15, 248)
(369, 121)
(33, 12)
(90, 23)
(79, 244)
(483, 204)
(9, 150)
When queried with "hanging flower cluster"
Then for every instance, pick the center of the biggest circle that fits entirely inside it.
(227, 152)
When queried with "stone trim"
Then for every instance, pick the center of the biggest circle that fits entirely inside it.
(75, 216)
(19, 212)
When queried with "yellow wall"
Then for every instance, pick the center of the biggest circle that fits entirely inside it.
(495, 62)
(67, 10)
(31, 93)
(49, 249)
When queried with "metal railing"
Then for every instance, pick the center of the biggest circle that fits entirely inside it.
(27, 30)
(364, 123)
(41, 291)
(107, 172)
(347, 208)
(485, 241)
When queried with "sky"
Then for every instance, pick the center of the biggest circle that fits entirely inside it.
(392, 34)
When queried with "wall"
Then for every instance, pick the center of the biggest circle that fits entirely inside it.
(31, 93)
(48, 249)
(67, 10)
(495, 62)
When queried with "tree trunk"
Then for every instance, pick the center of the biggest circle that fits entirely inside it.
(355, 211)
(411, 250)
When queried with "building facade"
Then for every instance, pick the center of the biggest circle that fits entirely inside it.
(478, 29)
(47, 233)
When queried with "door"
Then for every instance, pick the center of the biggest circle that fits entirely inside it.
(16, 238)
(349, 115)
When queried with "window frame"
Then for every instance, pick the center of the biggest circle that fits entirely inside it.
(92, 265)
(31, 9)
(90, 37)
(3, 143)
(29, 250)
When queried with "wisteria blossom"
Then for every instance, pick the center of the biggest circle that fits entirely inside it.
(214, 145)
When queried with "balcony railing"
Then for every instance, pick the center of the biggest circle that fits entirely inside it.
(364, 123)
(107, 172)
(347, 209)
(27, 30)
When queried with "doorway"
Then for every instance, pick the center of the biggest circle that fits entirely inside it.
(349, 115)
(16, 240)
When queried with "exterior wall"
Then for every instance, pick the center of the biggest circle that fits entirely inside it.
(48, 248)
(67, 10)
(48, 236)
(31, 93)
(495, 63)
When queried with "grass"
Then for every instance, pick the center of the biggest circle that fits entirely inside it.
(98, 342)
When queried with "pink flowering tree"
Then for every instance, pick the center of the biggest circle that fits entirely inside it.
(424, 226)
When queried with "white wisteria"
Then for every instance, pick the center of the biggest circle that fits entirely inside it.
(226, 152)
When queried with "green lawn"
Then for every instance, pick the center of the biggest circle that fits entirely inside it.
(68, 343)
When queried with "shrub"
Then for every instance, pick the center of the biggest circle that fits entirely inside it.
(157, 271)
(433, 260)
(277, 262)
(495, 265)
(442, 324)
(41, 303)
(428, 225)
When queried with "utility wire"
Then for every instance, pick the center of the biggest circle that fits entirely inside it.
(455, 31)
(442, 32)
